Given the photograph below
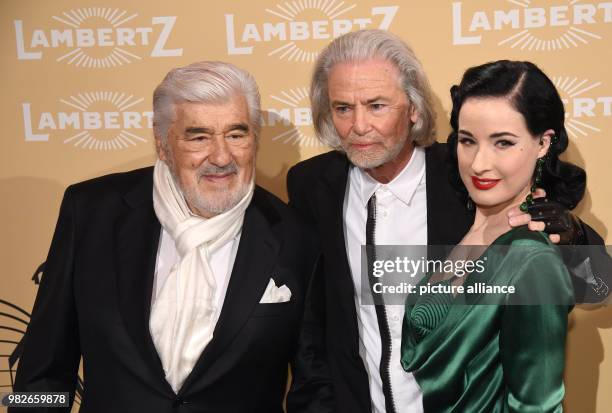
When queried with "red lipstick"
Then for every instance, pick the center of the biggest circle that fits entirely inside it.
(483, 183)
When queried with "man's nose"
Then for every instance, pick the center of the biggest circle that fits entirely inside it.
(220, 154)
(361, 121)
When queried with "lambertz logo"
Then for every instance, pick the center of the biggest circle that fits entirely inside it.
(584, 109)
(301, 28)
(289, 118)
(102, 121)
(531, 24)
(97, 37)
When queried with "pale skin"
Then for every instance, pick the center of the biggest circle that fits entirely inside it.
(496, 159)
(211, 151)
(373, 116)
(494, 145)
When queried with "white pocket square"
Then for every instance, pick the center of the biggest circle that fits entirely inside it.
(274, 294)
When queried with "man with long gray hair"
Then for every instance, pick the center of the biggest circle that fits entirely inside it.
(371, 102)
(183, 285)
(386, 182)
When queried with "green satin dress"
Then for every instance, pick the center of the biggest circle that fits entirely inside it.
(478, 357)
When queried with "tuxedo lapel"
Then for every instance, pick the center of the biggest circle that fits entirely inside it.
(330, 194)
(255, 259)
(137, 239)
(330, 197)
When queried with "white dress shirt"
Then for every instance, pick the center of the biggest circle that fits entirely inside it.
(221, 263)
(401, 219)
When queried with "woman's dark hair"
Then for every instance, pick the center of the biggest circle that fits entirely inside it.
(534, 96)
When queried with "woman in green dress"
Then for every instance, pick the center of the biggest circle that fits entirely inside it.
(483, 353)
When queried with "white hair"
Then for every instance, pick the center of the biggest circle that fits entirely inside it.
(365, 45)
(203, 82)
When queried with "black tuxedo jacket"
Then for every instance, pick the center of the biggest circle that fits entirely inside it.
(94, 302)
(316, 189)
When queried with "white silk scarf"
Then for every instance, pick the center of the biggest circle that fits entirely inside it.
(182, 315)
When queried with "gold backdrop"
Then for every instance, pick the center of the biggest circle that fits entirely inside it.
(78, 76)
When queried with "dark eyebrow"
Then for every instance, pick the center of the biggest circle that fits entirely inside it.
(201, 129)
(243, 127)
(193, 130)
(492, 136)
(500, 134)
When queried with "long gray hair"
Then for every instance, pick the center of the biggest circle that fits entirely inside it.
(364, 45)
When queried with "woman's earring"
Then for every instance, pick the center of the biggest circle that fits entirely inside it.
(536, 182)
(470, 204)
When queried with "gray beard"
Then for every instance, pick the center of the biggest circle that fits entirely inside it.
(363, 161)
(218, 203)
(211, 204)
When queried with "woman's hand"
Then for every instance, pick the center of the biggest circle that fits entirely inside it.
(516, 218)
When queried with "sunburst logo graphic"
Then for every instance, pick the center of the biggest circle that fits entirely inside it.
(97, 38)
(534, 25)
(298, 29)
(525, 39)
(290, 12)
(85, 139)
(289, 118)
(579, 106)
(103, 120)
(117, 55)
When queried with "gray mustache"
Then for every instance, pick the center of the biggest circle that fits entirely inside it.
(366, 139)
(209, 169)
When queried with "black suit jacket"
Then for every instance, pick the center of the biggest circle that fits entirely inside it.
(94, 300)
(316, 189)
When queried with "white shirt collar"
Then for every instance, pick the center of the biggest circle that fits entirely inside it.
(403, 186)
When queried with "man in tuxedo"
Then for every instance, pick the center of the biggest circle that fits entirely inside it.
(371, 102)
(182, 286)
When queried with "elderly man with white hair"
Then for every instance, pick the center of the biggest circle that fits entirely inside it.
(182, 286)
